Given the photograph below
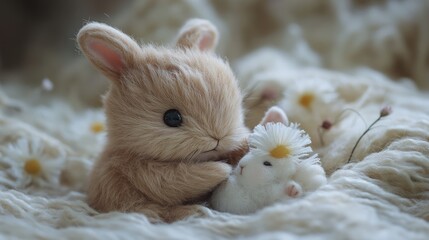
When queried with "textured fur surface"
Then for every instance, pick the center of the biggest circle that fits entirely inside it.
(381, 194)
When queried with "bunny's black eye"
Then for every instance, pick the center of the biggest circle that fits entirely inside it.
(173, 118)
(266, 163)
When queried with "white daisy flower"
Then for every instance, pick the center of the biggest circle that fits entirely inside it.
(278, 141)
(310, 95)
(83, 130)
(30, 163)
(310, 102)
(87, 131)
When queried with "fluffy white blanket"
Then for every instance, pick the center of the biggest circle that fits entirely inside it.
(383, 193)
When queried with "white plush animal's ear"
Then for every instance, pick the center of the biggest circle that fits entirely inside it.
(110, 50)
(199, 34)
(275, 115)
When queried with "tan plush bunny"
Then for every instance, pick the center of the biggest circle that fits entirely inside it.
(172, 113)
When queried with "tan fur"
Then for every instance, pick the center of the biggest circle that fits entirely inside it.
(200, 31)
(147, 166)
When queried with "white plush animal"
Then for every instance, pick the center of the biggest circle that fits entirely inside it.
(280, 165)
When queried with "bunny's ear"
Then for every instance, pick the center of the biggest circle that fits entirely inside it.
(110, 50)
(199, 34)
(275, 115)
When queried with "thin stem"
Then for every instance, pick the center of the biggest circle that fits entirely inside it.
(319, 131)
(354, 111)
(361, 136)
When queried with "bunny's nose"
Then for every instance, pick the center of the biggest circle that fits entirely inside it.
(217, 142)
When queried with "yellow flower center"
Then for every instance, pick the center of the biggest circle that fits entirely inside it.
(97, 127)
(306, 99)
(32, 166)
(281, 151)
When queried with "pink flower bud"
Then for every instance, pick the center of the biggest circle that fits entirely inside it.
(326, 125)
(385, 111)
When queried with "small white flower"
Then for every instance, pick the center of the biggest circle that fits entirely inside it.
(83, 130)
(28, 163)
(87, 132)
(309, 95)
(310, 102)
(278, 141)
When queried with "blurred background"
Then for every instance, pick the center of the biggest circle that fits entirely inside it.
(390, 36)
(31, 26)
